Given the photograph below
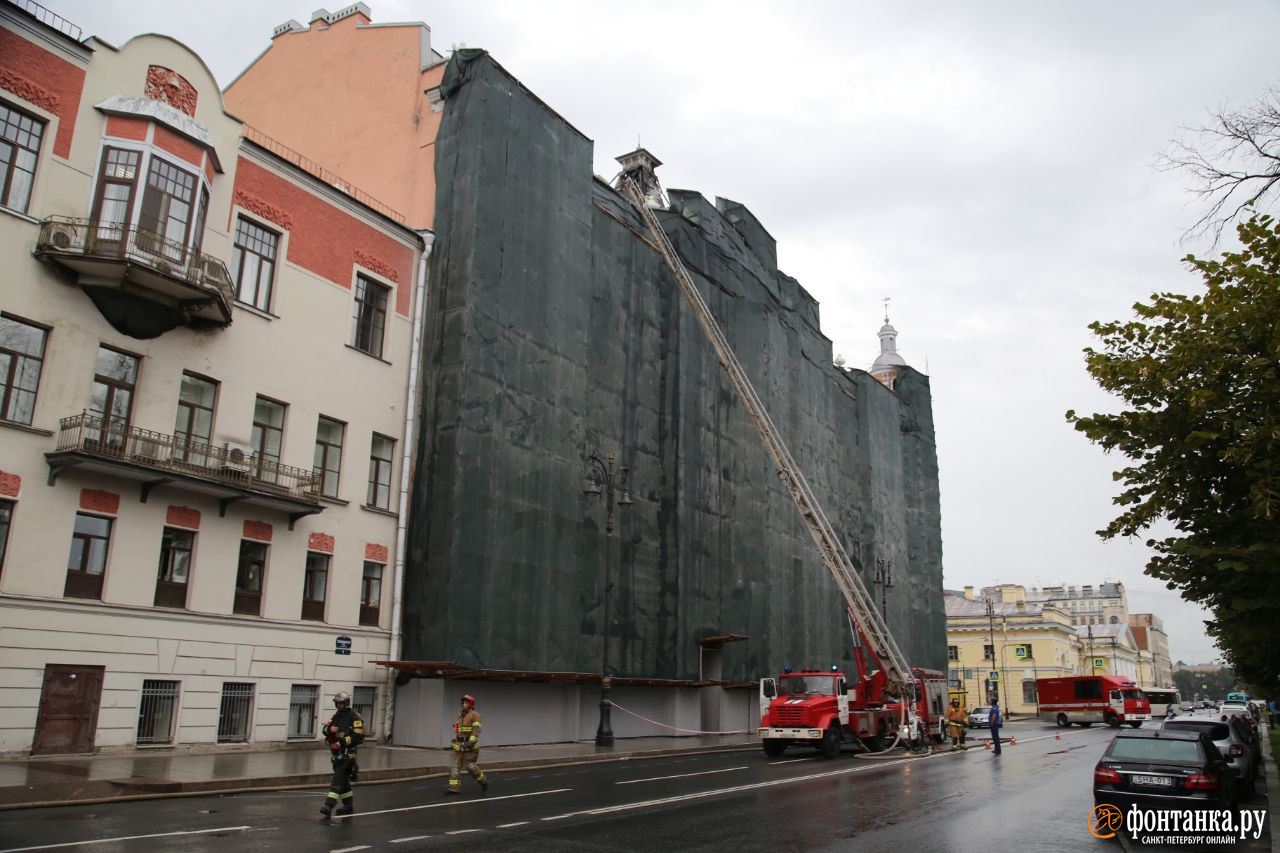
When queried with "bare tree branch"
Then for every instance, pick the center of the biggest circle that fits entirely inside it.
(1233, 163)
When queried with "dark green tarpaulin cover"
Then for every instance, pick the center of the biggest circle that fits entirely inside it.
(555, 330)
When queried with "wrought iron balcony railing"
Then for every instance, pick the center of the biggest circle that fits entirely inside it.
(108, 438)
(195, 284)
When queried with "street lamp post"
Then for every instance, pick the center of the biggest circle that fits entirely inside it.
(601, 473)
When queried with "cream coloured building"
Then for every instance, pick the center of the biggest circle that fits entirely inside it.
(205, 346)
(1019, 641)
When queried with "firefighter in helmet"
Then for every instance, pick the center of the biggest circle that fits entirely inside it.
(466, 748)
(957, 723)
(343, 733)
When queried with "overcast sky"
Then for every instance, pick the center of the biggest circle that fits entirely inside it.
(988, 166)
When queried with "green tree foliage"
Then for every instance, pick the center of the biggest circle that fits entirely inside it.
(1201, 429)
(1207, 685)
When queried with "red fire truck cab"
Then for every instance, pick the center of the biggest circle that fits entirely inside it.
(819, 709)
(1088, 699)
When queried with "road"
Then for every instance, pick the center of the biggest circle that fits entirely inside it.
(1036, 795)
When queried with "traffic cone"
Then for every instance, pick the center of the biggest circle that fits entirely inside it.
(988, 745)
(1057, 737)
(1013, 741)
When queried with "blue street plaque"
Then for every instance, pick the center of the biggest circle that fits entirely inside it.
(342, 646)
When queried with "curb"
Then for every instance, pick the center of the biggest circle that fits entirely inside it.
(142, 790)
(1273, 791)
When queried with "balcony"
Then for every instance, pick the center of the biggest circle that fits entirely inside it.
(158, 459)
(143, 284)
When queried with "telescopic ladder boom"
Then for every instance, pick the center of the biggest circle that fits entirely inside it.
(861, 607)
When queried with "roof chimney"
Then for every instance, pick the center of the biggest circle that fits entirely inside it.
(639, 166)
(968, 593)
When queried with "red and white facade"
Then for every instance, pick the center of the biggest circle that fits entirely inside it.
(206, 358)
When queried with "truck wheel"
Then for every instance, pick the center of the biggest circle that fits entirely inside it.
(1113, 721)
(773, 747)
(830, 745)
(1063, 722)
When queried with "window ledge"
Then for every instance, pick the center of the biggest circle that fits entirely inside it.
(325, 499)
(379, 510)
(25, 428)
(26, 217)
(253, 309)
(367, 354)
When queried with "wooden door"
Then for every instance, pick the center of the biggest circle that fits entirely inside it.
(68, 716)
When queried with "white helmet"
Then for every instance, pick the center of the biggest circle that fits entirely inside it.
(342, 699)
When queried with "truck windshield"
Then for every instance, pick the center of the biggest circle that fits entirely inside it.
(1133, 694)
(796, 685)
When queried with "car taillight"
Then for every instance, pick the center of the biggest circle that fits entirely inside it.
(1201, 782)
(1105, 774)
(1236, 749)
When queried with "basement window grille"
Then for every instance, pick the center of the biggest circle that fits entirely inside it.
(302, 710)
(234, 712)
(158, 711)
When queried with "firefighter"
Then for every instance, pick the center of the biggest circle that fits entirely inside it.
(466, 748)
(958, 723)
(343, 733)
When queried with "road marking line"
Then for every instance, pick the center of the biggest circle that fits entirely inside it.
(789, 761)
(509, 825)
(461, 831)
(126, 838)
(350, 849)
(679, 776)
(435, 805)
(410, 838)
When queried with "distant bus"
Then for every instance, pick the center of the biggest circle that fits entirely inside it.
(1237, 696)
(1164, 703)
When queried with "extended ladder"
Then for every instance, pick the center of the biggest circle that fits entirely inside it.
(824, 536)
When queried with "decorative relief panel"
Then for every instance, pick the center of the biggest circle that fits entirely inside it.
(171, 87)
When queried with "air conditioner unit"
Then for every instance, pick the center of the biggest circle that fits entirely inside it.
(64, 235)
(239, 456)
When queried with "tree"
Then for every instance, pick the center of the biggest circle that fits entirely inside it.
(1233, 163)
(1201, 430)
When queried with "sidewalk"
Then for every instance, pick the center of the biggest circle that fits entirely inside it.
(62, 780)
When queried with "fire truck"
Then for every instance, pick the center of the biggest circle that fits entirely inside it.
(1088, 699)
(823, 710)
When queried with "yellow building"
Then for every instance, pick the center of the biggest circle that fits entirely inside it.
(1015, 640)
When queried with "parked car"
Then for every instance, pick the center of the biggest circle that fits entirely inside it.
(1244, 713)
(1230, 734)
(980, 718)
(1152, 768)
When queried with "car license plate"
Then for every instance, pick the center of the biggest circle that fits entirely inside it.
(1156, 781)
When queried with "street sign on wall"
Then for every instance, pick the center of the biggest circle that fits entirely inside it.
(993, 675)
(1099, 663)
(342, 646)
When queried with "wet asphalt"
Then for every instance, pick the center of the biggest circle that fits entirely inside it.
(1037, 796)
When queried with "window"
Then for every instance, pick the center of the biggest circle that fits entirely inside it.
(302, 710)
(157, 711)
(328, 459)
(370, 593)
(175, 567)
(1088, 689)
(314, 586)
(111, 401)
(249, 576)
(21, 359)
(234, 712)
(253, 263)
(88, 558)
(953, 653)
(193, 429)
(6, 519)
(369, 318)
(380, 472)
(989, 652)
(19, 148)
(1029, 695)
(1115, 619)
(166, 210)
(362, 702)
(113, 203)
(268, 436)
